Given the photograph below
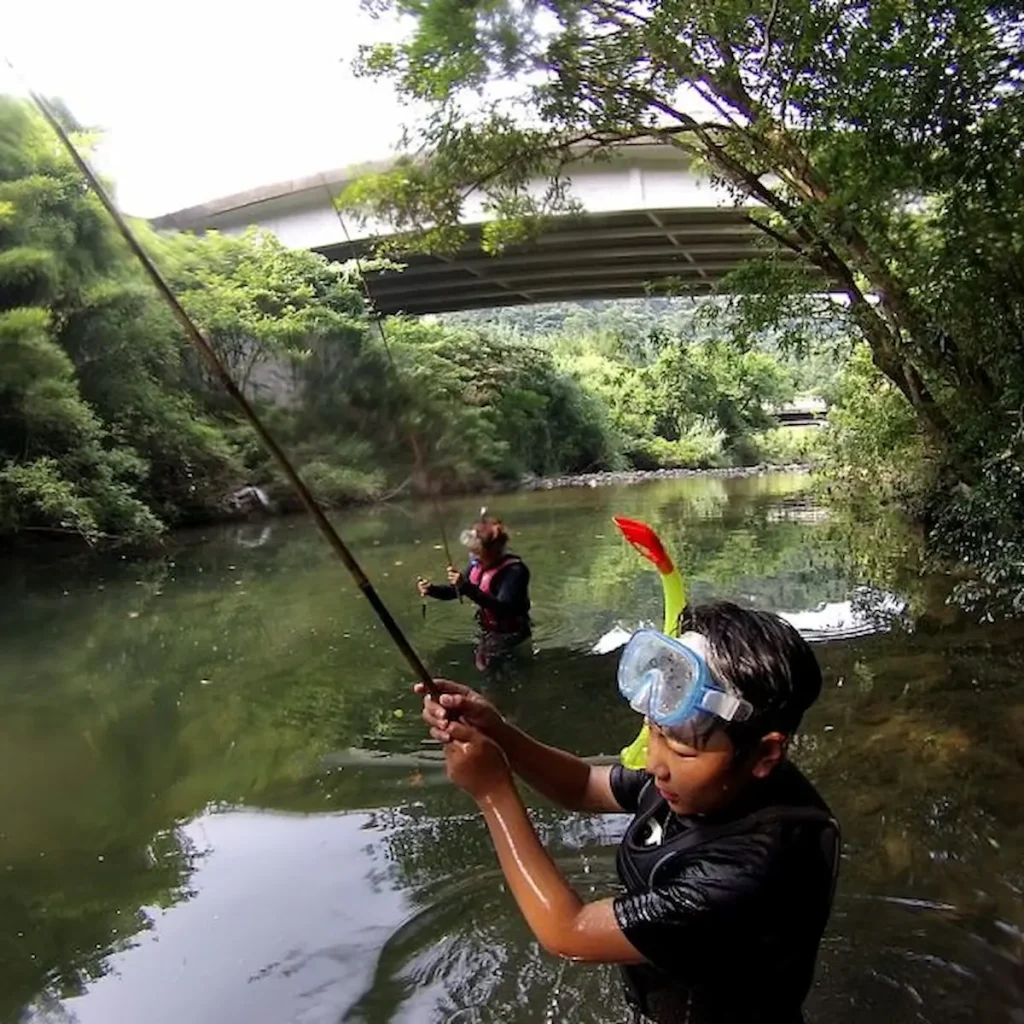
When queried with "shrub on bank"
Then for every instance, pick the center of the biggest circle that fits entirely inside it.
(788, 446)
(700, 447)
(342, 485)
(873, 441)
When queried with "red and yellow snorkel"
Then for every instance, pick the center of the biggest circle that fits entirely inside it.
(649, 544)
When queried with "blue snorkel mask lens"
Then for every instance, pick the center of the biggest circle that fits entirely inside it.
(669, 682)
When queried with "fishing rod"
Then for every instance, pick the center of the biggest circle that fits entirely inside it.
(192, 332)
(378, 320)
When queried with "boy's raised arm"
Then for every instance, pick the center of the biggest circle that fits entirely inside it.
(561, 921)
(563, 778)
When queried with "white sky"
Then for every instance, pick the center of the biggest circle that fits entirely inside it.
(202, 98)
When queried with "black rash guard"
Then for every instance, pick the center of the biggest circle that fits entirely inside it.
(728, 910)
(508, 602)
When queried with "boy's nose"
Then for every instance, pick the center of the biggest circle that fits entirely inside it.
(656, 765)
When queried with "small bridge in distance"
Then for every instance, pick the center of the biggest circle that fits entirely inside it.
(803, 412)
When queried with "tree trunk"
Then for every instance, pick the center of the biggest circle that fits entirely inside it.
(902, 373)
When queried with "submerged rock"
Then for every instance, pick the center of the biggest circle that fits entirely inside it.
(248, 500)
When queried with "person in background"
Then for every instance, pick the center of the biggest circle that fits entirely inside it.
(729, 863)
(497, 582)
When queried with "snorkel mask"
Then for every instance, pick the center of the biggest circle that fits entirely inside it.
(669, 682)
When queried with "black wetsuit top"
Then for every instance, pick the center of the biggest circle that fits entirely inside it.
(508, 603)
(728, 910)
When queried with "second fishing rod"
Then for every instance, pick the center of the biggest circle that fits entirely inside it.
(378, 319)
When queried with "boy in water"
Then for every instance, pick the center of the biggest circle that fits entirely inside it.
(497, 582)
(728, 865)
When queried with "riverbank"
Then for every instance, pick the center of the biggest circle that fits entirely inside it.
(638, 476)
(251, 502)
(286, 502)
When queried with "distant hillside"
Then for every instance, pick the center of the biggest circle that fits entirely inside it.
(640, 327)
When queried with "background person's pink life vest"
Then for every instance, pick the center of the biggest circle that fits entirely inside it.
(484, 579)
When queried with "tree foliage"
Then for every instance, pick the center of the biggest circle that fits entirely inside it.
(259, 302)
(673, 394)
(499, 403)
(635, 330)
(882, 140)
(64, 465)
(110, 426)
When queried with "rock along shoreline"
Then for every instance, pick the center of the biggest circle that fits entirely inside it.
(638, 476)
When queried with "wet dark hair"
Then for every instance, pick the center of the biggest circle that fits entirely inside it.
(764, 659)
(491, 532)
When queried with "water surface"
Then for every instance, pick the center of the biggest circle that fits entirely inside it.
(216, 804)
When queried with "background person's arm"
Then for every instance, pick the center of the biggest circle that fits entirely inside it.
(447, 591)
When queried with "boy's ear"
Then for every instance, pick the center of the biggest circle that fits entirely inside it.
(770, 750)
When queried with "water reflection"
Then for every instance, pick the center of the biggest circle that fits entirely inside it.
(275, 930)
(867, 611)
(216, 802)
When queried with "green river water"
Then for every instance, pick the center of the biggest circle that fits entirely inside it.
(217, 805)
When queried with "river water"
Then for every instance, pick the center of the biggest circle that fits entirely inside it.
(217, 805)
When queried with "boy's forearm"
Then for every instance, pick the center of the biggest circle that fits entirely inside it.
(560, 776)
(545, 898)
(561, 921)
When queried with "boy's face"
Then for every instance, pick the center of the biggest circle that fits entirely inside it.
(706, 778)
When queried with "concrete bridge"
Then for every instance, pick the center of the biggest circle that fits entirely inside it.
(649, 217)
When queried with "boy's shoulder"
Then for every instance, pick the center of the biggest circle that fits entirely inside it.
(788, 831)
(788, 836)
(787, 803)
(630, 785)
(787, 786)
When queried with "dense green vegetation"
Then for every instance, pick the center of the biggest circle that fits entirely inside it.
(882, 140)
(678, 388)
(110, 427)
(635, 330)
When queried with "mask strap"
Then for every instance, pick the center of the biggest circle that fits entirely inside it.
(696, 642)
(726, 706)
(719, 702)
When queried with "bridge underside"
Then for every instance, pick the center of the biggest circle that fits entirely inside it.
(599, 256)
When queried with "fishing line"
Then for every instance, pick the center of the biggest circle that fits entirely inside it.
(378, 319)
(192, 332)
